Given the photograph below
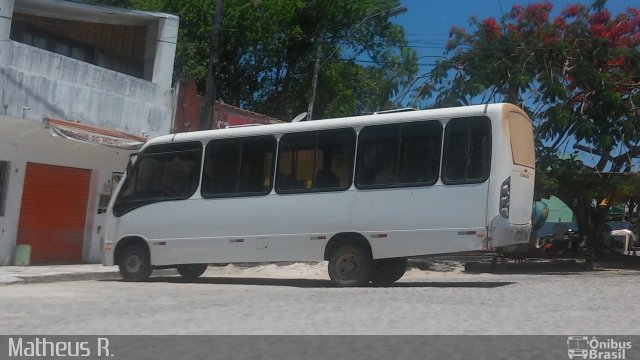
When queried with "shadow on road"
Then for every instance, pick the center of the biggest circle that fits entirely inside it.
(529, 267)
(319, 283)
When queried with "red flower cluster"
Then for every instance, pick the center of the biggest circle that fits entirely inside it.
(456, 31)
(516, 12)
(538, 13)
(534, 20)
(560, 23)
(491, 29)
(532, 16)
(572, 10)
(623, 31)
(601, 17)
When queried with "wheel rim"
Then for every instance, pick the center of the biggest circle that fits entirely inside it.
(348, 266)
(133, 264)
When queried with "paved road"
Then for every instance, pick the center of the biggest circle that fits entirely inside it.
(600, 302)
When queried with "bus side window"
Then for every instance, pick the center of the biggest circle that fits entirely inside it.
(319, 160)
(221, 167)
(420, 153)
(377, 161)
(467, 151)
(238, 167)
(334, 159)
(399, 155)
(296, 160)
(256, 169)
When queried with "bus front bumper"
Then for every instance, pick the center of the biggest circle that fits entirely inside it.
(107, 254)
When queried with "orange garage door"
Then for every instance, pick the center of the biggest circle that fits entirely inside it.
(53, 212)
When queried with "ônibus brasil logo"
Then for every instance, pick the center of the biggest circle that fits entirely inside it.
(583, 347)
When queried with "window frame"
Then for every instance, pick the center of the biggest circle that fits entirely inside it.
(489, 154)
(159, 149)
(316, 134)
(240, 140)
(5, 172)
(399, 133)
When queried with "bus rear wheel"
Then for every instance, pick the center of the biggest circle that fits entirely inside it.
(350, 265)
(191, 271)
(135, 263)
(388, 271)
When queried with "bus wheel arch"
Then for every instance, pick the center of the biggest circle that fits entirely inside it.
(347, 238)
(133, 257)
(350, 259)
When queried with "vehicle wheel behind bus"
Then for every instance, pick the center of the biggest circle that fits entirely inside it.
(388, 271)
(191, 271)
(350, 266)
(135, 264)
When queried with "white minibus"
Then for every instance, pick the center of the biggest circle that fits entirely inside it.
(363, 193)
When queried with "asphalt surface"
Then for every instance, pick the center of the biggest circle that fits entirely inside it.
(529, 301)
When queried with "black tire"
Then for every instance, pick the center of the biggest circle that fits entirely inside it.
(135, 263)
(191, 271)
(350, 266)
(388, 271)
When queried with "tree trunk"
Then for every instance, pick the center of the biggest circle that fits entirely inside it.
(590, 220)
(598, 220)
(281, 109)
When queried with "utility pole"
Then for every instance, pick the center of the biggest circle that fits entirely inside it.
(319, 63)
(207, 121)
(314, 81)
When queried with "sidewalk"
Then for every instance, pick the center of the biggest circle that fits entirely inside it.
(13, 274)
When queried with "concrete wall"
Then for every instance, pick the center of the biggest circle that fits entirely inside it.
(36, 83)
(162, 53)
(23, 141)
(6, 10)
(52, 85)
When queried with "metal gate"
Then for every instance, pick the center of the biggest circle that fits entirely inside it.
(53, 212)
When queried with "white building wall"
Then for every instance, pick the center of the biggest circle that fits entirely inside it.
(167, 36)
(52, 85)
(37, 84)
(30, 141)
(6, 10)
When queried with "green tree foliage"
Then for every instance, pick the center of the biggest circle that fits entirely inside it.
(578, 77)
(269, 48)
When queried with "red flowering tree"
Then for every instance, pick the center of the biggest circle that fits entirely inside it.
(578, 76)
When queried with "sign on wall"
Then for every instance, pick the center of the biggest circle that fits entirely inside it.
(94, 135)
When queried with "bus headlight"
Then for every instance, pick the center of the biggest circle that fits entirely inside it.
(505, 195)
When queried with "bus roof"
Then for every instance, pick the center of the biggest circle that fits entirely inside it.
(353, 121)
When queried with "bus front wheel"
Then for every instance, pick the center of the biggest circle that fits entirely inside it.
(388, 271)
(135, 264)
(191, 271)
(350, 265)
